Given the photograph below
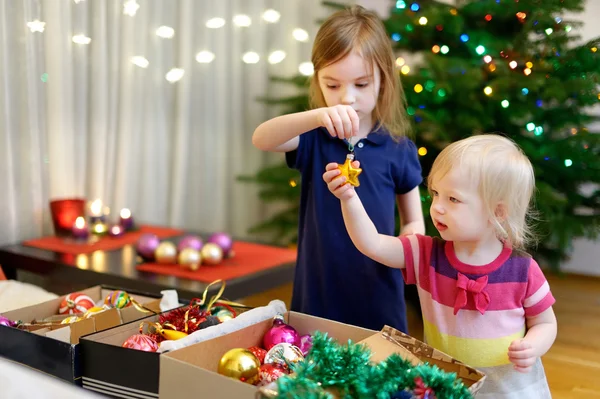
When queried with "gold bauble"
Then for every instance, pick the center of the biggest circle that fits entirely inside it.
(241, 364)
(189, 258)
(212, 254)
(166, 252)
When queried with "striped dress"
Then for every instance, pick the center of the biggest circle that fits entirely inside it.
(473, 313)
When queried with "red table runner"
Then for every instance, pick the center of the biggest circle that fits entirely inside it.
(249, 258)
(106, 243)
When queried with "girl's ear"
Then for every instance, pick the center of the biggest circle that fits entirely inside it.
(501, 212)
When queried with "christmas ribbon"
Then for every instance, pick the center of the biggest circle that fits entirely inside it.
(476, 287)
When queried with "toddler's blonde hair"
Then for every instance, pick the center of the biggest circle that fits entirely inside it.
(356, 29)
(504, 176)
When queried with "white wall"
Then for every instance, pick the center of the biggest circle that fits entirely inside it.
(586, 254)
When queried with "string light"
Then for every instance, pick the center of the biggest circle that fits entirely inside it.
(423, 21)
(480, 50)
(174, 75)
(422, 151)
(242, 20)
(215, 23)
(293, 183)
(396, 37)
(530, 127)
(527, 71)
(525, 91)
(410, 111)
(276, 57)
(306, 68)
(271, 16)
(400, 62)
(505, 103)
(418, 88)
(445, 49)
(165, 32)
(487, 90)
(300, 34)
(401, 4)
(594, 49)
(521, 15)
(529, 64)
(36, 26)
(251, 57)
(140, 61)
(435, 49)
(549, 31)
(538, 130)
(205, 57)
(81, 39)
(568, 162)
(464, 38)
(130, 8)
(488, 17)
(487, 59)
(513, 64)
(405, 69)
(568, 28)
(573, 131)
(415, 7)
(454, 11)
(492, 67)
(441, 93)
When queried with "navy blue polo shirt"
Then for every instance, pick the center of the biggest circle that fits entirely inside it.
(332, 278)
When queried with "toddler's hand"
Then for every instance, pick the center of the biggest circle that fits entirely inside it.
(521, 355)
(340, 121)
(336, 182)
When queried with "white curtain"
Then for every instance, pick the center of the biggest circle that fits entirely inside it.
(83, 120)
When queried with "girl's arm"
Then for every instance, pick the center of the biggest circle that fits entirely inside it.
(411, 213)
(380, 247)
(541, 333)
(280, 134)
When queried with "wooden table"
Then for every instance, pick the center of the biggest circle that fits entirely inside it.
(118, 268)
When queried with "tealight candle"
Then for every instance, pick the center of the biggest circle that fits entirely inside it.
(116, 230)
(126, 220)
(80, 229)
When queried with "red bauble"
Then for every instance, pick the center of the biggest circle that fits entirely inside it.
(268, 373)
(76, 303)
(177, 318)
(141, 342)
(259, 353)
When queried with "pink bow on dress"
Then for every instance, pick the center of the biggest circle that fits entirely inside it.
(475, 288)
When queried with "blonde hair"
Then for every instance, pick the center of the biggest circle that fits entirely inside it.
(504, 175)
(357, 29)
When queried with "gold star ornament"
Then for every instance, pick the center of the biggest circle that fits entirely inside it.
(349, 171)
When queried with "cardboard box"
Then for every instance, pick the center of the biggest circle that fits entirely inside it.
(389, 341)
(112, 370)
(192, 371)
(55, 349)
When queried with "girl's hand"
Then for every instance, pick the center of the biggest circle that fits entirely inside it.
(521, 355)
(341, 121)
(336, 182)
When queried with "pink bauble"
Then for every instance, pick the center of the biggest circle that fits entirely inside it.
(146, 245)
(305, 343)
(224, 241)
(280, 333)
(141, 342)
(193, 242)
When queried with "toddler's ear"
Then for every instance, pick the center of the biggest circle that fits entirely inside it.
(501, 212)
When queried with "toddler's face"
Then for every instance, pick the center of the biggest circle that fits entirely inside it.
(350, 82)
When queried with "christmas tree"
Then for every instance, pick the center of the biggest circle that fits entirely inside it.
(482, 66)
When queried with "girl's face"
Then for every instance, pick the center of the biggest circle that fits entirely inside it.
(457, 210)
(349, 82)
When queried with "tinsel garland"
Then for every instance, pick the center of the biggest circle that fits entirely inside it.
(348, 371)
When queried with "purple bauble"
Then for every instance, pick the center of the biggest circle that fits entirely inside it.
(193, 242)
(279, 333)
(6, 322)
(146, 245)
(224, 241)
(305, 344)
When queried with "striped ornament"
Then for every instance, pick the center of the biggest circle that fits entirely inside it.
(76, 303)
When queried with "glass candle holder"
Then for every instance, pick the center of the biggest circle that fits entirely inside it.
(64, 213)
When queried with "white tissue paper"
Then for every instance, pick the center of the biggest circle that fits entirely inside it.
(170, 300)
(244, 320)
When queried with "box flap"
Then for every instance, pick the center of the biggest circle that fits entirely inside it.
(382, 347)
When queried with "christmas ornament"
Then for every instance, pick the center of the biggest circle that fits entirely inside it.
(259, 353)
(189, 258)
(280, 332)
(211, 254)
(166, 253)
(118, 299)
(351, 173)
(92, 311)
(141, 342)
(169, 333)
(191, 241)
(284, 354)
(146, 245)
(6, 322)
(224, 241)
(305, 343)
(267, 373)
(70, 319)
(75, 303)
(224, 315)
(241, 364)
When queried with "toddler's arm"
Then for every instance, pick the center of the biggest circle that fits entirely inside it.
(380, 247)
(541, 333)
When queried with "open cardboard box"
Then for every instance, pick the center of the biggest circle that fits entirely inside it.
(54, 349)
(192, 371)
(389, 341)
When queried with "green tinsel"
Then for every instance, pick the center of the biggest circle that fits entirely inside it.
(348, 371)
